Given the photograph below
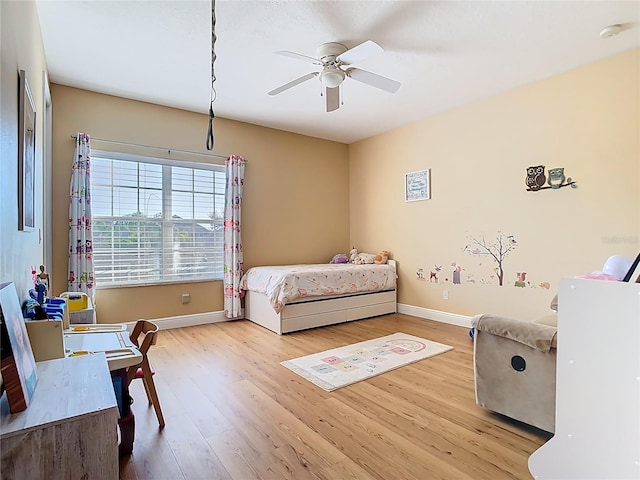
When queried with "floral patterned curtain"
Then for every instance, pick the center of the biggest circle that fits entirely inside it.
(80, 235)
(233, 260)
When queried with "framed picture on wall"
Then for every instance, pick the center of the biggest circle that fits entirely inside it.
(417, 186)
(26, 154)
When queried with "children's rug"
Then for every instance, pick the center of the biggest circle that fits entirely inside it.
(339, 367)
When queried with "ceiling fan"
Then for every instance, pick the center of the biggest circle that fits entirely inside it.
(336, 60)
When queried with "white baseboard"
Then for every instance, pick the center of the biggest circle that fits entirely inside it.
(186, 320)
(436, 315)
(215, 317)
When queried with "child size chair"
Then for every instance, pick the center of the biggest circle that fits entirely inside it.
(143, 336)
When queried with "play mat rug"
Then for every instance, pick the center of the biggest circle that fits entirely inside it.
(339, 367)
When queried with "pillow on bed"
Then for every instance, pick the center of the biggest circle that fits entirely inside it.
(365, 258)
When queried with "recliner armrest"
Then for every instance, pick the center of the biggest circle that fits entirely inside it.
(533, 334)
(551, 320)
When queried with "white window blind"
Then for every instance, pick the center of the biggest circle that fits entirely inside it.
(155, 221)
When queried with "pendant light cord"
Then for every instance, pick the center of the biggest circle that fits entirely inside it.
(210, 139)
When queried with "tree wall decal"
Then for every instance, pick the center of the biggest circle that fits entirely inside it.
(498, 250)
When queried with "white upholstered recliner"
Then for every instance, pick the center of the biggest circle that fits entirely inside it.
(515, 367)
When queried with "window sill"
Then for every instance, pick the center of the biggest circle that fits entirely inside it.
(158, 284)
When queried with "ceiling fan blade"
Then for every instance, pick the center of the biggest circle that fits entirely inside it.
(293, 83)
(299, 56)
(360, 52)
(333, 98)
(378, 81)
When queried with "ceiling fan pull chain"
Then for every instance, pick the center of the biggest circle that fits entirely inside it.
(210, 138)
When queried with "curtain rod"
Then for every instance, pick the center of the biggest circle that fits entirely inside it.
(168, 150)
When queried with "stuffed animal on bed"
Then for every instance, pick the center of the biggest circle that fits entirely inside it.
(340, 258)
(353, 255)
(364, 258)
(382, 257)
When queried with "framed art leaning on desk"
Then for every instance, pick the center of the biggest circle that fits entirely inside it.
(17, 364)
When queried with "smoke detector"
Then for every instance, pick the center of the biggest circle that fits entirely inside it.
(610, 31)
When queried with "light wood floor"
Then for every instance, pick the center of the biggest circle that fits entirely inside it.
(233, 412)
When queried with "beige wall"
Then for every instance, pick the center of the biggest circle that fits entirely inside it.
(586, 121)
(301, 206)
(21, 49)
(296, 203)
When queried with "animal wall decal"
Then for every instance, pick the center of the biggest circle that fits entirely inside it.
(536, 179)
(481, 272)
(433, 276)
(498, 250)
(456, 273)
(521, 279)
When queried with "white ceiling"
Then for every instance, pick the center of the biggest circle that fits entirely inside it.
(445, 54)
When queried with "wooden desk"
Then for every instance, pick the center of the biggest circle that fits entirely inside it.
(69, 429)
(113, 342)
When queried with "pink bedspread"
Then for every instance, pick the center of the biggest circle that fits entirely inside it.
(283, 284)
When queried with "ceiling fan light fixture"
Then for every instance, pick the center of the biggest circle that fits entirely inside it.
(332, 77)
(336, 61)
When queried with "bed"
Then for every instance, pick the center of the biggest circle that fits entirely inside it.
(297, 297)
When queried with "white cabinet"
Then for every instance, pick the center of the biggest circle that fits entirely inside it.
(69, 430)
(598, 385)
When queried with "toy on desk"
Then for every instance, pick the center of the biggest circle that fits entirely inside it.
(80, 308)
(32, 309)
(41, 291)
(52, 308)
(44, 279)
(41, 283)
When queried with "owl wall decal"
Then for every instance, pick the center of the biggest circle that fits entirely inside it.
(535, 177)
(556, 177)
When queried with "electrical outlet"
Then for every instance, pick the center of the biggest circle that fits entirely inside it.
(186, 298)
(445, 294)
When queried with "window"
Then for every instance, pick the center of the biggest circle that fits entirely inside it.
(155, 220)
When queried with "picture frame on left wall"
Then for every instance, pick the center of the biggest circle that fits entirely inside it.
(26, 154)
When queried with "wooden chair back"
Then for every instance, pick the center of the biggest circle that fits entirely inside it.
(146, 331)
(144, 335)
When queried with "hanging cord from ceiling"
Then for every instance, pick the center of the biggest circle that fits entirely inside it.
(210, 139)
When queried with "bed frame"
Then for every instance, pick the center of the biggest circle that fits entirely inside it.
(318, 311)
